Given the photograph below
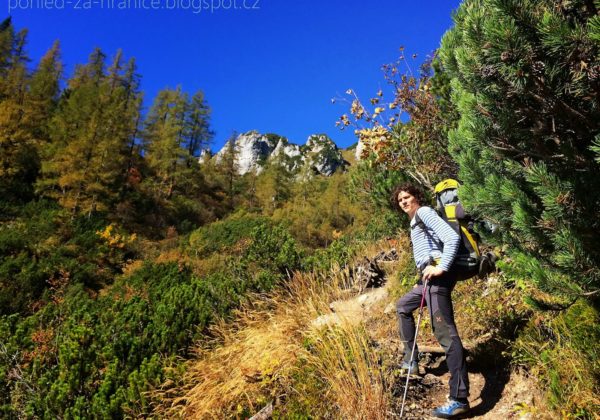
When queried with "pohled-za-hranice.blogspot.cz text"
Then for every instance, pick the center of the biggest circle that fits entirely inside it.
(196, 6)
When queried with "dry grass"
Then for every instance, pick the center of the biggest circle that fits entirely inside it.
(345, 359)
(272, 352)
(239, 372)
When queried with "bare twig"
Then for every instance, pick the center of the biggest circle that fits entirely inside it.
(265, 413)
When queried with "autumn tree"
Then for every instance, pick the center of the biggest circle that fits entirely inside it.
(42, 96)
(163, 140)
(176, 130)
(27, 103)
(407, 132)
(16, 143)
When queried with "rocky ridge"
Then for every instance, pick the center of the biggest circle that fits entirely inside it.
(253, 150)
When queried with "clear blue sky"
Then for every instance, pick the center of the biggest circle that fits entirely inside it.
(269, 65)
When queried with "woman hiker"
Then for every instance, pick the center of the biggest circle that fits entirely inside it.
(435, 245)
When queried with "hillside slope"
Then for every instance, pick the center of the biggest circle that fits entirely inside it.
(291, 355)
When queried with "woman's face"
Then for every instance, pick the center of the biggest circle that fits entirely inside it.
(408, 203)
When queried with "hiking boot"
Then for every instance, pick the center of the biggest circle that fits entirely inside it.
(412, 368)
(451, 409)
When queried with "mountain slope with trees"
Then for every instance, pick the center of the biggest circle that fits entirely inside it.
(118, 248)
(130, 271)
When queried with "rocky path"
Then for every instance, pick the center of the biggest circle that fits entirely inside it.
(497, 391)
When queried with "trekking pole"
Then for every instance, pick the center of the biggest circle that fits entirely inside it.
(412, 353)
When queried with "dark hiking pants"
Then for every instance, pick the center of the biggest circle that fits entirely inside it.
(439, 301)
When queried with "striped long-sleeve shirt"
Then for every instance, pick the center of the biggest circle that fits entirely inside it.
(440, 240)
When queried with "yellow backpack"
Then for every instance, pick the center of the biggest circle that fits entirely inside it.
(468, 261)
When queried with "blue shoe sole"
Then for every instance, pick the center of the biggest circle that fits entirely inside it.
(456, 415)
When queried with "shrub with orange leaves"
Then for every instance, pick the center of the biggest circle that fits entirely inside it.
(44, 346)
(58, 285)
(408, 133)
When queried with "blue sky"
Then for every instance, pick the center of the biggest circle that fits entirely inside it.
(269, 65)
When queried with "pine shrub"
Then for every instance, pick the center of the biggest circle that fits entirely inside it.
(526, 80)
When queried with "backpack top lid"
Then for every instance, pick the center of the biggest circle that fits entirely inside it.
(446, 194)
(446, 184)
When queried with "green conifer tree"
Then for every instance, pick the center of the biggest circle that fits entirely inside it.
(164, 143)
(90, 134)
(526, 83)
(198, 134)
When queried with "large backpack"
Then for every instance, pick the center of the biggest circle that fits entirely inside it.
(469, 260)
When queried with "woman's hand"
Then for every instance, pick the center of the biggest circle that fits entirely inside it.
(432, 271)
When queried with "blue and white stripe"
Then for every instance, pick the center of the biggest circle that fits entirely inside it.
(439, 242)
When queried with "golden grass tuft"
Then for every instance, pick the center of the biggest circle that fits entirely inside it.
(239, 371)
(274, 351)
(343, 356)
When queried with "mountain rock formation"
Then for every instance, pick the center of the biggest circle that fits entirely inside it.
(253, 150)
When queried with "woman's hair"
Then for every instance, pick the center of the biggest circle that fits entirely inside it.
(412, 189)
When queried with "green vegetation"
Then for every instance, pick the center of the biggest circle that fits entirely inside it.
(524, 79)
(42, 247)
(82, 355)
(95, 350)
(120, 254)
(223, 235)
